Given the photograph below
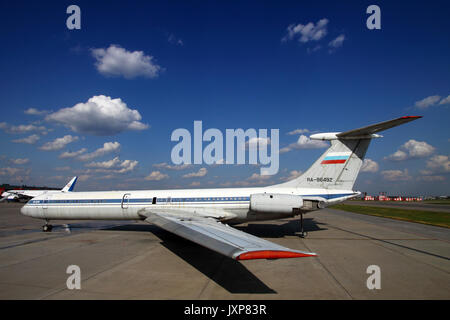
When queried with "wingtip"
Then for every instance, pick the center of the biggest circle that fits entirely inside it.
(411, 117)
(273, 254)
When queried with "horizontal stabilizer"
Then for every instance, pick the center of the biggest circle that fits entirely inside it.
(374, 128)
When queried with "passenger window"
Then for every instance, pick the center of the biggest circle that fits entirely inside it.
(154, 200)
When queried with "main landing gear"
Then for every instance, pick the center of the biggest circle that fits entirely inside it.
(302, 233)
(47, 227)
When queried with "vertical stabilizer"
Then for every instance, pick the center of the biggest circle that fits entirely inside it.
(70, 185)
(338, 167)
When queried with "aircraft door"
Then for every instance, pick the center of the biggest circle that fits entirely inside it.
(125, 200)
(45, 203)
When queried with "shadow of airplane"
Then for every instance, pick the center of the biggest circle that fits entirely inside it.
(273, 230)
(230, 274)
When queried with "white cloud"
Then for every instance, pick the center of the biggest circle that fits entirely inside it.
(254, 180)
(35, 112)
(445, 100)
(410, 150)
(439, 163)
(116, 61)
(297, 131)
(258, 177)
(57, 178)
(398, 155)
(22, 128)
(58, 143)
(431, 101)
(304, 142)
(165, 165)
(156, 176)
(108, 176)
(431, 178)
(427, 102)
(127, 165)
(100, 116)
(369, 166)
(172, 39)
(219, 162)
(29, 140)
(314, 49)
(108, 147)
(68, 154)
(83, 177)
(396, 175)
(20, 161)
(336, 43)
(308, 32)
(113, 165)
(200, 173)
(62, 168)
(255, 142)
(293, 175)
(14, 172)
(418, 149)
(8, 171)
(108, 164)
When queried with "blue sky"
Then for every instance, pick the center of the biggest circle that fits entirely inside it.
(230, 64)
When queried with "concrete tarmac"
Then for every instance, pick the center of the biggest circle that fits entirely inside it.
(136, 260)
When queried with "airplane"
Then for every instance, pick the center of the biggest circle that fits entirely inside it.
(204, 216)
(29, 194)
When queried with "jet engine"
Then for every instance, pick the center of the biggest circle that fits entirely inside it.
(275, 203)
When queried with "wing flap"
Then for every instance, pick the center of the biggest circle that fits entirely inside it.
(222, 238)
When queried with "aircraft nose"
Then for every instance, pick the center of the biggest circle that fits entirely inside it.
(25, 210)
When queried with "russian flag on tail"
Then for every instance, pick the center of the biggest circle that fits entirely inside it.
(336, 157)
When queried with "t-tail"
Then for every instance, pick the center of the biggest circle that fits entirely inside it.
(338, 167)
(70, 185)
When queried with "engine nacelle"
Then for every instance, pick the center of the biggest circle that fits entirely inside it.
(275, 203)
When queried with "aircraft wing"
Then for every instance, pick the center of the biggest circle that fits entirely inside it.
(219, 237)
(15, 195)
(374, 128)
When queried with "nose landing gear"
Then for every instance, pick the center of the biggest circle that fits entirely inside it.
(47, 227)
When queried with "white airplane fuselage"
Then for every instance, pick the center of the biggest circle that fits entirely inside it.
(228, 204)
(27, 193)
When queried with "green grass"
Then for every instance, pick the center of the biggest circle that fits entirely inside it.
(441, 219)
(443, 201)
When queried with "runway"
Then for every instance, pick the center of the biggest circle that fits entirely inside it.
(136, 260)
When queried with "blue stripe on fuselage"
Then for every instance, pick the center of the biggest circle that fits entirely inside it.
(172, 200)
